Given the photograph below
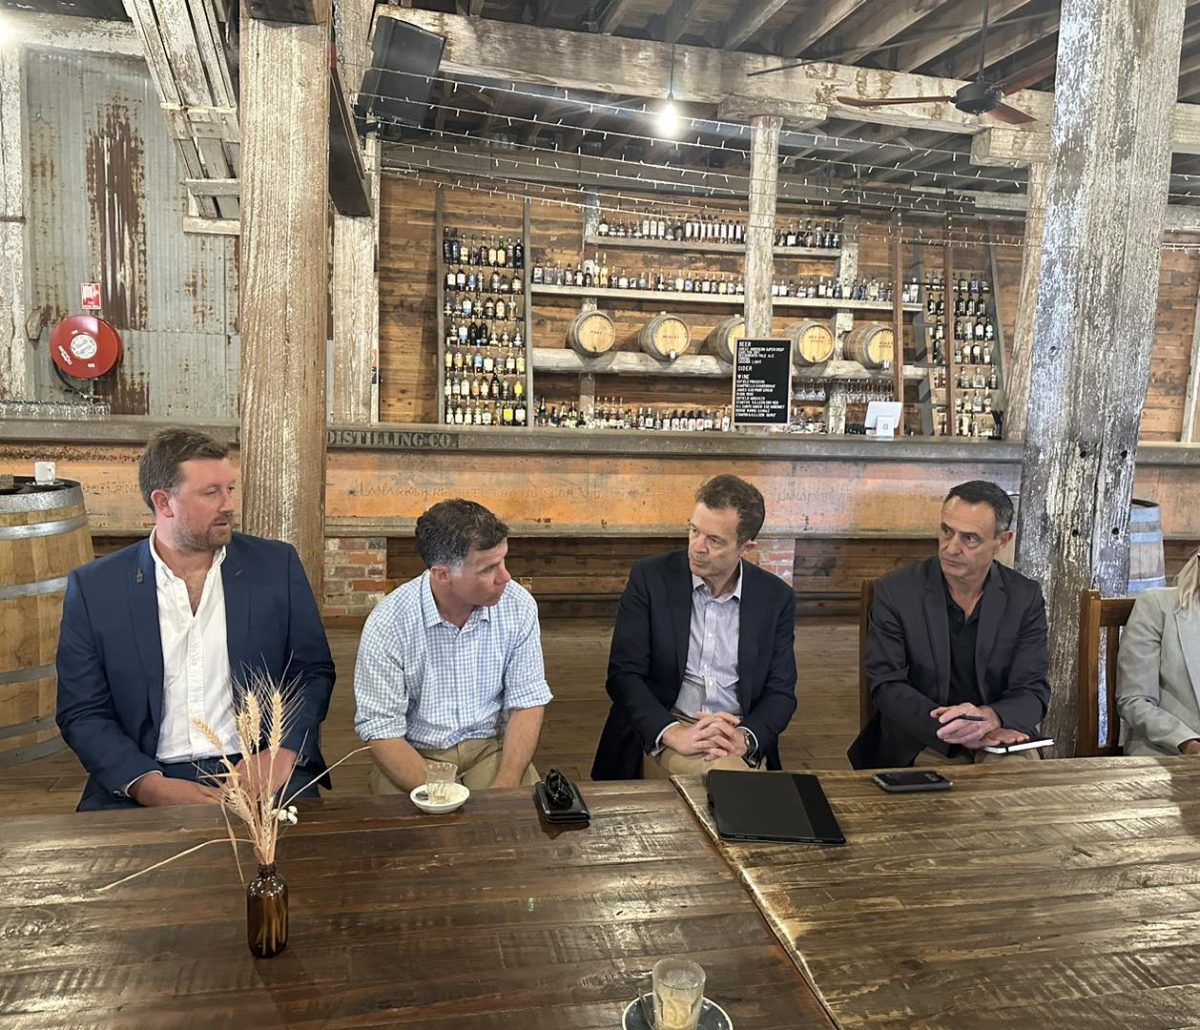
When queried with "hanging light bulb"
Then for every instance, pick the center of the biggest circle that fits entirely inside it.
(669, 122)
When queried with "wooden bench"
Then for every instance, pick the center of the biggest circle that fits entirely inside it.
(1100, 622)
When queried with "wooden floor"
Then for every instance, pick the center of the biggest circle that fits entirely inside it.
(576, 654)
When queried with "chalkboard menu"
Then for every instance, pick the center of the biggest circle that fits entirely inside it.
(762, 383)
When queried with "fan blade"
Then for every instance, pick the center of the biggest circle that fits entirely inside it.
(858, 102)
(1010, 115)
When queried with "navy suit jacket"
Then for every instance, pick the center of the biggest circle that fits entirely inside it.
(650, 650)
(907, 661)
(110, 663)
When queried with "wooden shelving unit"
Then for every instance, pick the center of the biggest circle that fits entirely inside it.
(706, 247)
(727, 299)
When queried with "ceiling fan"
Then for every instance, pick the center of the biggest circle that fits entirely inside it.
(976, 97)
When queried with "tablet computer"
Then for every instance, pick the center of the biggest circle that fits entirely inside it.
(774, 806)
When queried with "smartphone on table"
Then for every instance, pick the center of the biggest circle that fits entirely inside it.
(912, 781)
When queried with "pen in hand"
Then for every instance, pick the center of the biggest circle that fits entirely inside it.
(968, 718)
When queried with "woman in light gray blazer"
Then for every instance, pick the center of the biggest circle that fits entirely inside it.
(1158, 675)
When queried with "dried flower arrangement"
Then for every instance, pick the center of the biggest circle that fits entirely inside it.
(252, 790)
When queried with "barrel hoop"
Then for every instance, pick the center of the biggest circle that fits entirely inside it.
(42, 722)
(45, 586)
(37, 672)
(42, 528)
(28, 754)
(15, 504)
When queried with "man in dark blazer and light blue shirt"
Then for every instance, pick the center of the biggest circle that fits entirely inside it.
(702, 669)
(168, 628)
(956, 647)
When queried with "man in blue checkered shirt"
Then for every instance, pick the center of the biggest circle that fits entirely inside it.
(450, 664)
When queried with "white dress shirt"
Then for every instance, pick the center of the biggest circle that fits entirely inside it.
(196, 675)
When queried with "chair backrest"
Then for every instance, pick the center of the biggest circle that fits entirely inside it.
(1100, 622)
(865, 709)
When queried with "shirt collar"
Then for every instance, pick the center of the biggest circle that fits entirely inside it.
(736, 593)
(430, 616)
(164, 570)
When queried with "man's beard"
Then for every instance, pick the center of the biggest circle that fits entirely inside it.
(210, 539)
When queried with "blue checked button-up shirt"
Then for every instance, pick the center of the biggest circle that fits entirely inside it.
(424, 679)
(710, 679)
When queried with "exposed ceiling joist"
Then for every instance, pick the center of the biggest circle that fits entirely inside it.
(1003, 41)
(750, 17)
(876, 30)
(613, 15)
(677, 18)
(811, 26)
(956, 27)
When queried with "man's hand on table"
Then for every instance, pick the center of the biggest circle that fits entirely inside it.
(154, 789)
(714, 735)
(965, 724)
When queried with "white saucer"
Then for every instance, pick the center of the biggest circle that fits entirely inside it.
(458, 794)
(712, 1017)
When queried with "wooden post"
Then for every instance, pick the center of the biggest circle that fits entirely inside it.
(1187, 432)
(1017, 380)
(14, 348)
(948, 287)
(898, 316)
(355, 298)
(760, 225)
(1094, 327)
(284, 309)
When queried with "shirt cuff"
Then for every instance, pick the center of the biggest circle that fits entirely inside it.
(659, 746)
(124, 792)
(752, 756)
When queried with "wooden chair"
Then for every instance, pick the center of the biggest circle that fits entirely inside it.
(865, 709)
(1098, 670)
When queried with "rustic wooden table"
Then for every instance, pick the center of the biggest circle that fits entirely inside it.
(471, 921)
(1061, 894)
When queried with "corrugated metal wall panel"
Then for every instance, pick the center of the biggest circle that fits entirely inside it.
(106, 204)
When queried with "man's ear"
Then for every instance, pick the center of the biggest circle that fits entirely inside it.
(161, 500)
(748, 546)
(1005, 538)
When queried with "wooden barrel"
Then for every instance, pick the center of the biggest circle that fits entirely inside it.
(812, 344)
(870, 344)
(665, 337)
(723, 339)
(43, 536)
(591, 332)
(1147, 567)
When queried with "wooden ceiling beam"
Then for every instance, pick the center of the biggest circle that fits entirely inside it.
(810, 27)
(613, 15)
(636, 67)
(893, 19)
(750, 17)
(1002, 42)
(958, 23)
(679, 15)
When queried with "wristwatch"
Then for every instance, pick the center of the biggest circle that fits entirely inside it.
(752, 758)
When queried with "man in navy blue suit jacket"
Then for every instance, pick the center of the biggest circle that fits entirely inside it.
(171, 627)
(702, 668)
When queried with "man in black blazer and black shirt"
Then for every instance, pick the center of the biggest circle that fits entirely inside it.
(702, 671)
(956, 646)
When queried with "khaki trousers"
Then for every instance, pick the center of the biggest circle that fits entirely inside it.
(478, 762)
(668, 763)
(929, 756)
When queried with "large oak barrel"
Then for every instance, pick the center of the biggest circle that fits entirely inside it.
(870, 344)
(43, 536)
(1147, 567)
(665, 337)
(591, 333)
(812, 344)
(723, 339)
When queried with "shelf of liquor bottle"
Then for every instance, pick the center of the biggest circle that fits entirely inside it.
(707, 247)
(564, 361)
(728, 299)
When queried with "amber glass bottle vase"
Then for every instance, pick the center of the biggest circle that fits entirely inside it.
(267, 913)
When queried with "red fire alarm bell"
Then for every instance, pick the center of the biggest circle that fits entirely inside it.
(85, 346)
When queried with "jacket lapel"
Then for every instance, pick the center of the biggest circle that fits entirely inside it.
(1187, 625)
(749, 618)
(939, 628)
(994, 601)
(679, 602)
(236, 586)
(147, 637)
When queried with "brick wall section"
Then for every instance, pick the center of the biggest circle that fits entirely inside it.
(777, 555)
(355, 574)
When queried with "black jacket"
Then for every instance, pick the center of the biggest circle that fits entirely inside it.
(649, 654)
(908, 659)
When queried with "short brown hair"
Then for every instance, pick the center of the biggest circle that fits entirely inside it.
(731, 492)
(158, 467)
(447, 532)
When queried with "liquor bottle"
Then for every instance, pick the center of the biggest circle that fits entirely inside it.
(455, 248)
(538, 273)
(518, 254)
(501, 255)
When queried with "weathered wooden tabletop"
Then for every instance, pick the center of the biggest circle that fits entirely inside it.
(478, 919)
(1061, 894)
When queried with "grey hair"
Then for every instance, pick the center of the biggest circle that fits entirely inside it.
(980, 491)
(448, 531)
